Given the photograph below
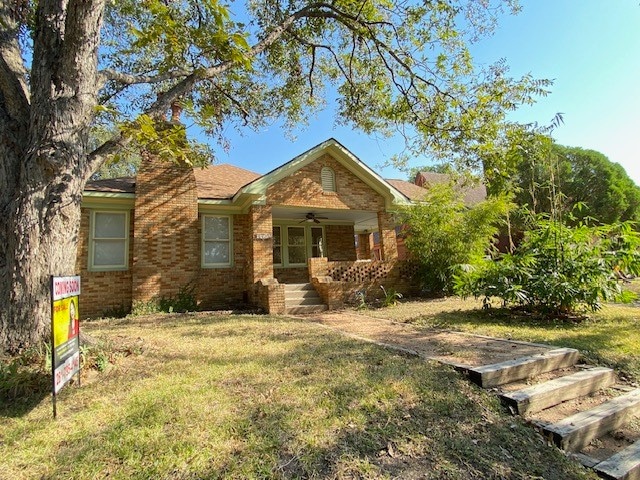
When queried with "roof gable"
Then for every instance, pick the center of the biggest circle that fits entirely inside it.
(347, 159)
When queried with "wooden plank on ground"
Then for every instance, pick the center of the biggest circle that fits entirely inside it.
(624, 465)
(524, 367)
(544, 395)
(575, 432)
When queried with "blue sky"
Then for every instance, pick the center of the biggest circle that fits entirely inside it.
(591, 48)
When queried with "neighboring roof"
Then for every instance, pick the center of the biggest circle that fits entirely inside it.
(222, 181)
(408, 189)
(112, 185)
(431, 178)
(473, 194)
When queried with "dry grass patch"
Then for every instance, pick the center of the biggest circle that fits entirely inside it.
(610, 336)
(262, 397)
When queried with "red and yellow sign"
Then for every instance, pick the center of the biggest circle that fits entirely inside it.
(65, 330)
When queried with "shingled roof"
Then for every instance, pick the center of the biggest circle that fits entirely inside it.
(408, 189)
(473, 194)
(222, 181)
(215, 182)
(112, 185)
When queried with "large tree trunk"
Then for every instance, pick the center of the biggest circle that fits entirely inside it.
(43, 224)
(43, 159)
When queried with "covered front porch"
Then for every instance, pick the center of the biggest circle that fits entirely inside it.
(330, 249)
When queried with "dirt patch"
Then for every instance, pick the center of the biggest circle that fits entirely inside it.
(453, 348)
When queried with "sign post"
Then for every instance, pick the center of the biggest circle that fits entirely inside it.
(65, 332)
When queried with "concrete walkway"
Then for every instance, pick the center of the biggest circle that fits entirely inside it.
(452, 348)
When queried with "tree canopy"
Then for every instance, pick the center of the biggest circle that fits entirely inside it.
(582, 182)
(72, 66)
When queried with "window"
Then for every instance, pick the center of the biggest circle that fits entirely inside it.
(216, 241)
(328, 179)
(277, 246)
(296, 245)
(317, 242)
(109, 241)
(292, 245)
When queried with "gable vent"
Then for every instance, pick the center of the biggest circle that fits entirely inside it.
(328, 179)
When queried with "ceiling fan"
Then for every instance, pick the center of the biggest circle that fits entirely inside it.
(312, 217)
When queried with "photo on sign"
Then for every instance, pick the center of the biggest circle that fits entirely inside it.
(65, 320)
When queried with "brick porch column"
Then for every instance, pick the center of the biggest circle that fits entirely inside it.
(260, 258)
(388, 245)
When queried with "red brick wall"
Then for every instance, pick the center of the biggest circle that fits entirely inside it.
(225, 287)
(292, 275)
(260, 255)
(304, 189)
(166, 247)
(101, 292)
(341, 244)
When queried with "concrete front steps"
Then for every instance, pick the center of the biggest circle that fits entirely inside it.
(302, 299)
(580, 409)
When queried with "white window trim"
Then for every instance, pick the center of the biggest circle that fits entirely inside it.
(204, 264)
(92, 239)
(284, 245)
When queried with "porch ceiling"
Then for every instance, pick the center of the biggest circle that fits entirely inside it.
(361, 219)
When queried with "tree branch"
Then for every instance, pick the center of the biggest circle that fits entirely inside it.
(13, 73)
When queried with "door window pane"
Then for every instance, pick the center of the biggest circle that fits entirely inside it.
(296, 245)
(317, 242)
(277, 246)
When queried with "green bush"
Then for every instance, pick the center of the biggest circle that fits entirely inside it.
(443, 233)
(183, 301)
(557, 269)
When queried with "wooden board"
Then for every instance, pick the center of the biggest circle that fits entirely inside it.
(575, 432)
(624, 465)
(544, 395)
(524, 367)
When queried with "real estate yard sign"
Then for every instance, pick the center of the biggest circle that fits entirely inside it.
(65, 332)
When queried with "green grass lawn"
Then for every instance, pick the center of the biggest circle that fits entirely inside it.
(227, 396)
(610, 336)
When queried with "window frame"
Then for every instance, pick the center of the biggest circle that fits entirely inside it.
(204, 240)
(308, 247)
(277, 244)
(92, 267)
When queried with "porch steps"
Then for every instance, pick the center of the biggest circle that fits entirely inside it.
(302, 299)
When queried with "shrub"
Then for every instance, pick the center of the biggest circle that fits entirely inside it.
(443, 233)
(557, 269)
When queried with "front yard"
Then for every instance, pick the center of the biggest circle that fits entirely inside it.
(230, 396)
(609, 337)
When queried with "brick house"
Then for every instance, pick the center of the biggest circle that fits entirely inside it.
(296, 239)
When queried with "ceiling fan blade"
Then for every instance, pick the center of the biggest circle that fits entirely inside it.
(316, 219)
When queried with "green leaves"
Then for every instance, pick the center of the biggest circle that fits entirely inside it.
(443, 233)
(166, 140)
(558, 269)
(394, 65)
